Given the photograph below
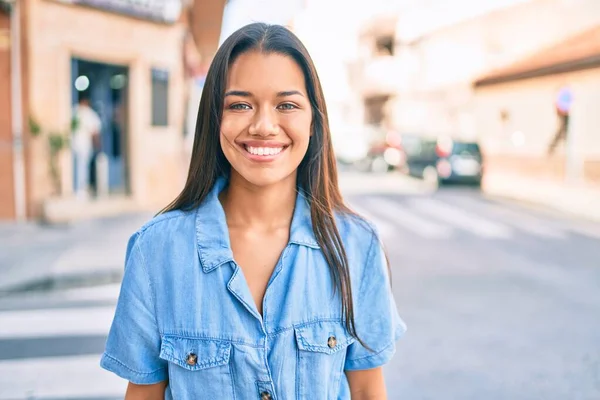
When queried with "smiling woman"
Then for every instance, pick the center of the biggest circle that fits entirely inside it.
(257, 281)
(265, 127)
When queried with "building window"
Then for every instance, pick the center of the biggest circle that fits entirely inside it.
(384, 45)
(160, 97)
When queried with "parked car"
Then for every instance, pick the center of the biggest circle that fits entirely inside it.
(443, 159)
(384, 152)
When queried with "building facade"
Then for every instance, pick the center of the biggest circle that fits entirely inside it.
(130, 58)
(520, 110)
(419, 81)
(7, 195)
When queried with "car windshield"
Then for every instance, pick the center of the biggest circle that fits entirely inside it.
(460, 147)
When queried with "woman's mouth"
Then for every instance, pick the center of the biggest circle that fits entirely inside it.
(263, 153)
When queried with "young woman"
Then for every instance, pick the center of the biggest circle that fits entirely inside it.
(256, 282)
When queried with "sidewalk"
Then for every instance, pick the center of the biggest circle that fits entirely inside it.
(578, 200)
(33, 255)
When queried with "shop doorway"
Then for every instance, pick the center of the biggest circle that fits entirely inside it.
(107, 88)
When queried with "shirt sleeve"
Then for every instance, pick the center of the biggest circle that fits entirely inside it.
(376, 317)
(133, 343)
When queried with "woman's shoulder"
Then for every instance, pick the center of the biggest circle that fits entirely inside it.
(167, 224)
(357, 231)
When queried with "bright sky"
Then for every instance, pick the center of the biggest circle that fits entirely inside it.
(328, 27)
(339, 14)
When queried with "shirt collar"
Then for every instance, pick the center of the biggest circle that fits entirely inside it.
(212, 234)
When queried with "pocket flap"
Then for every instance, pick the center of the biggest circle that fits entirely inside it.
(324, 337)
(195, 354)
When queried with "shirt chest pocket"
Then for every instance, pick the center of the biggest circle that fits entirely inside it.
(198, 368)
(321, 354)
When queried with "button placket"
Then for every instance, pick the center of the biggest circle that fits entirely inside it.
(191, 359)
(265, 396)
(265, 390)
(331, 342)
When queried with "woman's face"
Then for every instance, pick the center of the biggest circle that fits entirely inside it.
(267, 118)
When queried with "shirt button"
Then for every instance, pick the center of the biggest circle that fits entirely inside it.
(265, 396)
(331, 342)
(192, 359)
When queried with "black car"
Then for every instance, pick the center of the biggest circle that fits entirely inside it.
(443, 160)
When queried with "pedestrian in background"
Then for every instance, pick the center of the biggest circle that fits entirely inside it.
(85, 140)
(257, 282)
(564, 99)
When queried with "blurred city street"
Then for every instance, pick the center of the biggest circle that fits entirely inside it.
(501, 300)
(467, 131)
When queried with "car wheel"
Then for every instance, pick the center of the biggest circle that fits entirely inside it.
(379, 165)
(430, 176)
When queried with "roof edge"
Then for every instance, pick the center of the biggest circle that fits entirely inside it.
(563, 67)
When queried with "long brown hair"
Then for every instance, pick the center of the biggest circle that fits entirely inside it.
(317, 173)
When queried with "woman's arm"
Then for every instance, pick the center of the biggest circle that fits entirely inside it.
(367, 384)
(146, 392)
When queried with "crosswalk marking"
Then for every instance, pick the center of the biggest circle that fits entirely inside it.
(437, 218)
(462, 219)
(409, 220)
(58, 378)
(55, 322)
(521, 221)
(99, 293)
(384, 227)
(69, 343)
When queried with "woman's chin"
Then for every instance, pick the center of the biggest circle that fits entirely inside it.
(265, 177)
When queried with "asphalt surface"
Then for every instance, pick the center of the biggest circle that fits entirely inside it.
(502, 301)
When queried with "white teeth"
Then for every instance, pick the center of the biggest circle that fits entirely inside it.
(264, 151)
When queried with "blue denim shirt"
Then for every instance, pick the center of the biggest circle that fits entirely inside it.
(185, 313)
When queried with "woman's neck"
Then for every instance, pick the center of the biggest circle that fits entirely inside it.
(258, 208)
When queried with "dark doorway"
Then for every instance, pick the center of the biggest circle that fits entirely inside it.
(108, 89)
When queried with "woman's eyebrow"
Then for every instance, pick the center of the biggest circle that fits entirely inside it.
(243, 93)
(289, 93)
(240, 93)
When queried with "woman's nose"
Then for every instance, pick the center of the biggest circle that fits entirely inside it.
(265, 124)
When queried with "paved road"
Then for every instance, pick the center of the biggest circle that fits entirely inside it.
(502, 302)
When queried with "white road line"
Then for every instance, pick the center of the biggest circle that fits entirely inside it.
(384, 227)
(99, 293)
(55, 322)
(462, 219)
(519, 220)
(409, 220)
(58, 378)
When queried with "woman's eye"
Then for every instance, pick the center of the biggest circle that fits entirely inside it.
(239, 106)
(287, 106)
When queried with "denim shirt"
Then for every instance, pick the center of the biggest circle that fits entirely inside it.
(185, 312)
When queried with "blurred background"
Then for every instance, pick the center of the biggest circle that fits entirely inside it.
(468, 131)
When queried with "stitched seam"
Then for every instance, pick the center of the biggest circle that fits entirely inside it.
(148, 281)
(210, 338)
(310, 322)
(132, 370)
(222, 358)
(310, 244)
(235, 294)
(326, 349)
(279, 331)
(372, 355)
(232, 375)
(364, 271)
(161, 218)
(213, 362)
(298, 377)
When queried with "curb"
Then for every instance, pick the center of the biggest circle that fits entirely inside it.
(548, 206)
(65, 281)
